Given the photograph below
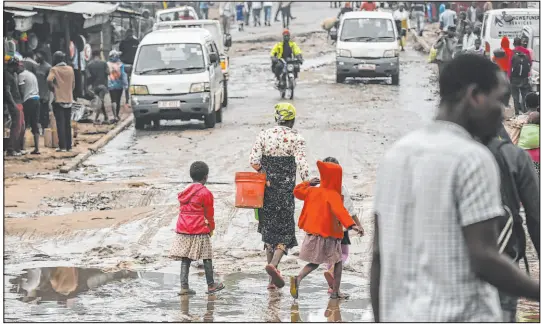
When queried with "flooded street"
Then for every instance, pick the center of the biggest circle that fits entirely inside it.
(113, 218)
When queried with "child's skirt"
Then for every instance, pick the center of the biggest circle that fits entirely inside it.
(321, 250)
(194, 247)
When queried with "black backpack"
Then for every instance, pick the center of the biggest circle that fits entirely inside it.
(520, 65)
(512, 237)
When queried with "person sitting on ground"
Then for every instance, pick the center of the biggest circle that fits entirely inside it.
(348, 203)
(194, 228)
(322, 218)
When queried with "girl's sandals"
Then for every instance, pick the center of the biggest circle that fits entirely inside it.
(215, 288)
(186, 292)
(339, 296)
(294, 287)
(275, 275)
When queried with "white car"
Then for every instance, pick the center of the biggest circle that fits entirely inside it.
(177, 75)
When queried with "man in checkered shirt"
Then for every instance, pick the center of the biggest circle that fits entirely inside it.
(437, 201)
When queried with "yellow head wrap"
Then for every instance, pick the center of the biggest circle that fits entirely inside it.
(284, 111)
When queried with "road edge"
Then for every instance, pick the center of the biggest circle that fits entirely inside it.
(81, 157)
(419, 40)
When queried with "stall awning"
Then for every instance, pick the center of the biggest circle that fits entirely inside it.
(87, 9)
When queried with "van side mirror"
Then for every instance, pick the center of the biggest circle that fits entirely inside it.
(333, 34)
(214, 58)
(227, 40)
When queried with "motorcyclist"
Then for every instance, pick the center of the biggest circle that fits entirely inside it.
(286, 49)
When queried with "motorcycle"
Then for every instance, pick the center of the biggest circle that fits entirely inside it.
(287, 82)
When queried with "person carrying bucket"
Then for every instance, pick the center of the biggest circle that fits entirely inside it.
(279, 152)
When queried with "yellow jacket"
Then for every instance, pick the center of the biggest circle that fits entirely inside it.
(278, 49)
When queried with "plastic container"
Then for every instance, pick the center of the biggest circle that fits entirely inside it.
(250, 189)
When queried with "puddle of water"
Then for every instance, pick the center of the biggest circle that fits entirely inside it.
(87, 294)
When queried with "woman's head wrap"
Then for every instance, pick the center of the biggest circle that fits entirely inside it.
(284, 111)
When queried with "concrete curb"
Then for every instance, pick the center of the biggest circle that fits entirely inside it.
(419, 40)
(76, 161)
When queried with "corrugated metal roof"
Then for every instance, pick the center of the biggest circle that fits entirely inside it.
(83, 8)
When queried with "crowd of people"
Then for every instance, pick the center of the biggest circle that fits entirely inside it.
(32, 86)
(242, 11)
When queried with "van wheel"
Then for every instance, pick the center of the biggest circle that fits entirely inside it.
(395, 79)
(340, 78)
(224, 103)
(139, 123)
(210, 120)
(219, 116)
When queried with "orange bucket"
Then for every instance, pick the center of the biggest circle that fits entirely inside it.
(250, 189)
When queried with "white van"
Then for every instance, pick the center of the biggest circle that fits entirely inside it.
(367, 46)
(169, 14)
(530, 39)
(214, 27)
(505, 22)
(177, 75)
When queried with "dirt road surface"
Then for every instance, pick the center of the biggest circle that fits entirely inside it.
(117, 212)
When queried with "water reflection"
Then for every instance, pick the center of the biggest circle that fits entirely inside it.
(186, 317)
(332, 313)
(62, 284)
(273, 308)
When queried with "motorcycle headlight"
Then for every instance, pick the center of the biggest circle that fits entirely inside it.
(390, 53)
(290, 68)
(343, 53)
(200, 87)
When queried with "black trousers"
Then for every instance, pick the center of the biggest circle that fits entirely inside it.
(286, 16)
(63, 126)
(116, 96)
(519, 89)
(31, 114)
(44, 111)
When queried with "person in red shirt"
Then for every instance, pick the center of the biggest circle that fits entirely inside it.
(195, 226)
(517, 43)
(520, 64)
(368, 6)
(322, 218)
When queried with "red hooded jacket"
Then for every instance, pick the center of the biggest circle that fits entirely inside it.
(504, 62)
(196, 210)
(323, 212)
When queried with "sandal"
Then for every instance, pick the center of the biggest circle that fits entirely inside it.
(275, 275)
(186, 292)
(216, 288)
(330, 279)
(339, 296)
(294, 288)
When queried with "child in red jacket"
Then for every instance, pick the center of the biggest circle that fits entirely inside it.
(195, 226)
(323, 217)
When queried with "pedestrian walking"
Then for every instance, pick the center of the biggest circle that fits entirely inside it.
(278, 11)
(279, 152)
(248, 12)
(204, 8)
(445, 47)
(286, 14)
(418, 12)
(29, 89)
(519, 187)
(14, 101)
(226, 13)
(504, 57)
(448, 18)
(345, 243)
(97, 75)
(195, 227)
(240, 9)
(61, 82)
(322, 218)
(256, 12)
(437, 208)
(267, 8)
(519, 71)
(42, 73)
(401, 18)
(29, 63)
(128, 48)
(117, 81)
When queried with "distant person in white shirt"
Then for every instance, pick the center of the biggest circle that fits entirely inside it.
(468, 42)
(448, 18)
(226, 12)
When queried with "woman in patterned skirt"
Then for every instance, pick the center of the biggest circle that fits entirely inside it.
(279, 151)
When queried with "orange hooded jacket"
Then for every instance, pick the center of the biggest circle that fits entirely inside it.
(323, 212)
(503, 62)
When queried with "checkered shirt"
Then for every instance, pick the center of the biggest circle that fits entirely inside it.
(431, 184)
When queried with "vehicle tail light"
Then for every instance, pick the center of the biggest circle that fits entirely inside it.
(487, 49)
(223, 64)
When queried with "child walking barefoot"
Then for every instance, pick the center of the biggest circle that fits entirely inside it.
(195, 226)
(322, 218)
(348, 203)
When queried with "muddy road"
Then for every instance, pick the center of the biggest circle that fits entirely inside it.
(113, 218)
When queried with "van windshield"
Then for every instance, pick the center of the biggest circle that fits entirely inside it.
(511, 24)
(170, 59)
(368, 30)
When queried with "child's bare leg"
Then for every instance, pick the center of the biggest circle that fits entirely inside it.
(296, 281)
(337, 281)
(270, 255)
(277, 256)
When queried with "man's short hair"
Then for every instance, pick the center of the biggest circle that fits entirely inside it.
(532, 101)
(199, 170)
(464, 70)
(517, 41)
